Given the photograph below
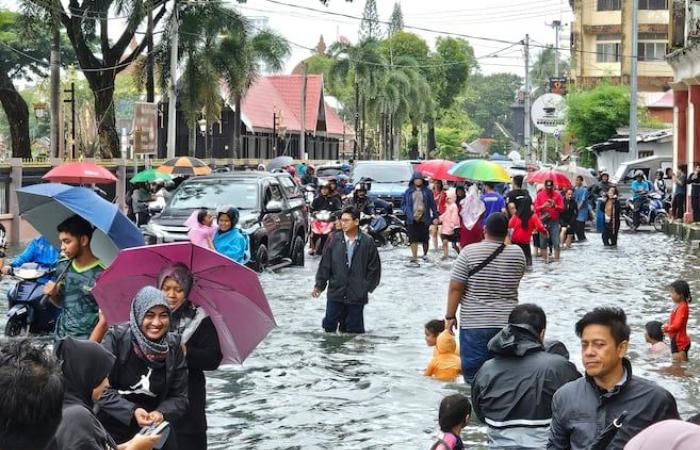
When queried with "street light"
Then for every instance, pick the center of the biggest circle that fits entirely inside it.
(203, 128)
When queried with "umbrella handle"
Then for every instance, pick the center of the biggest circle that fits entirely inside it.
(46, 298)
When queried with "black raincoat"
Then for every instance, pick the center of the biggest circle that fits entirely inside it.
(581, 411)
(512, 392)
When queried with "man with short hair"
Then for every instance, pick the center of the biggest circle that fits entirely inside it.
(31, 396)
(549, 205)
(512, 393)
(493, 202)
(517, 195)
(640, 188)
(581, 199)
(583, 408)
(350, 266)
(484, 284)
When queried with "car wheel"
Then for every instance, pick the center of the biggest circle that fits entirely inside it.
(261, 258)
(297, 253)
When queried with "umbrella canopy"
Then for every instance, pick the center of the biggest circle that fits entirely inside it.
(150, 175)
(560, 179)
(228, 292)
(185, 165)
(279, 162)
(573, 171)
(80, 172)
(437, 169)
(47, 205)
(480, 170)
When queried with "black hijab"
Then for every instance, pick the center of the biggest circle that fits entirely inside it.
(233, 216)
(85, 364)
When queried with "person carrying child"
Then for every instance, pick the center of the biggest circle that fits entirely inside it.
(453, 417)
(449, 233)
(445, 364)
(676, 326)
(80, 311)
(201, 228)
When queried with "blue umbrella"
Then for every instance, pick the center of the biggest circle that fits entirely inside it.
(47, 205)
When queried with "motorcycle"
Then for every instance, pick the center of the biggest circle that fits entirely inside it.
(386, 228)
(26, 314)
(652, 212)
(322, 225)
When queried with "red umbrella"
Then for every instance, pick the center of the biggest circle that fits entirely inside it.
(561, 181)
(437, 169)
(80, 173)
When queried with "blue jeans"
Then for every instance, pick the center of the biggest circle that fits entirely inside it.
(473, 349)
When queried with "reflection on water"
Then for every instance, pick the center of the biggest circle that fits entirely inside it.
(303, 388)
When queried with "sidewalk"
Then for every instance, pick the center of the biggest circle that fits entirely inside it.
(687, 232)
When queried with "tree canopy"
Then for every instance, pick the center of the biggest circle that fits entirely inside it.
(396, 20)
(594, 115)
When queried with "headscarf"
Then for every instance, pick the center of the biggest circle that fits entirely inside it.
(85, 364)
(472, 207)
(178, 272)
(669, 435)
(146, 299)
(232, 214)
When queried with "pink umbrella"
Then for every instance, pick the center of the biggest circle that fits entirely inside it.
(438, 169)
(228, 292)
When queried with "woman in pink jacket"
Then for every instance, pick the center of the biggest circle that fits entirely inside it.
(450, 224)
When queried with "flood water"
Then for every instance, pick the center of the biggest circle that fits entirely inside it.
(304, 389)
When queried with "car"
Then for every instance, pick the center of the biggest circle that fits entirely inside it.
(624, 175)
(329, 170)
(389, 180)
(272, 207)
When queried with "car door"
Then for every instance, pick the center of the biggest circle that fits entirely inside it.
(272, 220)
(295, 206)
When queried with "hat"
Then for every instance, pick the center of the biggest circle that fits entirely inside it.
(638, 173)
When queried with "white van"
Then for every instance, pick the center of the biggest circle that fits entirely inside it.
(624, 175)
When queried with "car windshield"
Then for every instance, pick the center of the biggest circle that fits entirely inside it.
(215, 193)
(383, 173)
(323, 172)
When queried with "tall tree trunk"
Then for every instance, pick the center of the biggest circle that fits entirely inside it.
(104, 112)
(17, 114)
(362, 133)
(150, 83)
(192, 140)
(392, 132)
(236, 146)
(432, 143)
(55, 87)
(413, 149)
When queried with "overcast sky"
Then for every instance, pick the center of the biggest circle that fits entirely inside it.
(501, 20)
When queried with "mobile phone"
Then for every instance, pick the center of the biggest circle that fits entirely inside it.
(162, 430)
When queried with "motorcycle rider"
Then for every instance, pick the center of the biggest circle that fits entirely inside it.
(601, 187)
(360, 200)
(325, 201)
(660, 184)
(640, 190)
(40, 251)
(309, 178)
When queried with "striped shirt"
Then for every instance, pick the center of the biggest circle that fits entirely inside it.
(491, 293)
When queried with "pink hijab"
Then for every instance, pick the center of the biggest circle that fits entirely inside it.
(667, 435)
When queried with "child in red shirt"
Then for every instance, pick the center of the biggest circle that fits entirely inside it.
(676, 326)
(523, 225)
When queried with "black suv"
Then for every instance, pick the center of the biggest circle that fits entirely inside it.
(272, 207)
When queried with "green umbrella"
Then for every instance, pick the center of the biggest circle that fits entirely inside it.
(150, 175)
(480, 170)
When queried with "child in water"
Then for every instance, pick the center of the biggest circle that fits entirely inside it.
(655, 337)
(453, 417)
(445, 364)
(201, 228)
(676, 326)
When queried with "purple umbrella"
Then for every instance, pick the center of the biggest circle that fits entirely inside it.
(228, 292)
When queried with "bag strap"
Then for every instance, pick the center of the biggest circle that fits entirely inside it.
(487, 261)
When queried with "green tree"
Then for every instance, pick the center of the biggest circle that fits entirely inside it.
(543, 67)
(396, 20)
(488, 98)
(370, 28)
(594, 115)
(405, 44)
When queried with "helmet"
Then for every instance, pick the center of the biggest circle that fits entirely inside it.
(638, 173)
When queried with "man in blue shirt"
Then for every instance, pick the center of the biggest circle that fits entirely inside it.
(581, 199)
(39, 251)
(493, 202)
(640, 188)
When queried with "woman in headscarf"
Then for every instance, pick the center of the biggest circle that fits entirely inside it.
(471, 209)
(229, 240)
(148, 383)
(202, 351)
(85, 366)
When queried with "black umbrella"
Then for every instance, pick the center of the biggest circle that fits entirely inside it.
(609, 433)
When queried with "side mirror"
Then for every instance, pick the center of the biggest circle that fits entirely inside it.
(273, 206)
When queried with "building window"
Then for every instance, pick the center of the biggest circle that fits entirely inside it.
(608, 48)
(651, 51)
(653, 4)
(609, 5)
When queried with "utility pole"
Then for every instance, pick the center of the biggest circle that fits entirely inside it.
(55, 84)
(557, 27)
(302, 131)
(71, 100)
(172, 100)
(150, 84)
(357, 121)
(633, 83)
(526, 129)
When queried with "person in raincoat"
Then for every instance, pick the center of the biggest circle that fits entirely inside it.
(445, 364)
(419, 206)
(471, 209)
(450, 224)
(229, 240)
(148, 383)
(85, 366)
(202, 351)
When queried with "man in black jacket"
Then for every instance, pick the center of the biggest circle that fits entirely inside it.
(351, 269)
(512, 393)
(609, 394)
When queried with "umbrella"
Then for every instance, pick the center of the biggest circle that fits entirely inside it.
(80, 173)
(560, 179)
(150, 175)
(437, 169)
(47, 205)
(228, 292)
(480, 170)
(279, 162)
(572, 171)
(608, 434)
(185, 165)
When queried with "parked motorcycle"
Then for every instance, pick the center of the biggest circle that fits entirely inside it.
(322, 225)
(26, 314)
(652, 212)
(386, 228)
